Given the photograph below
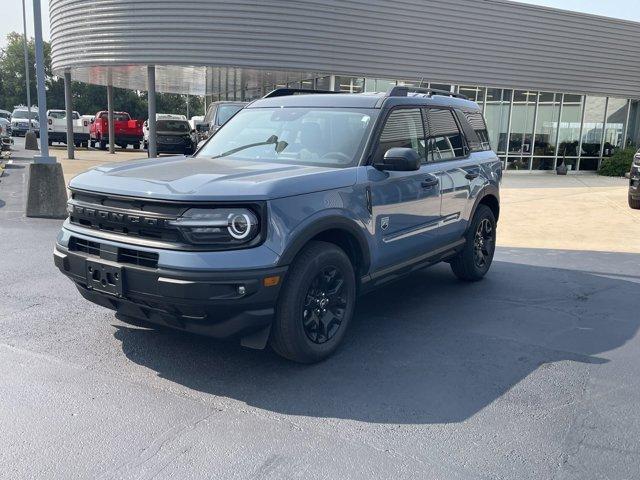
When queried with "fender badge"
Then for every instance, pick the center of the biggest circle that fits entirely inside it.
(384, 223)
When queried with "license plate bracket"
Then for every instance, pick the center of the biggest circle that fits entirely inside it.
(104, 277)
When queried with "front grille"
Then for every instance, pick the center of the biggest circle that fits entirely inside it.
(85, 246)
(123, 255)
(137, 257)
(134, 218)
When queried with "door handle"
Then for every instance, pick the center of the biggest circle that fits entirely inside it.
(429, 182)
(471, 176)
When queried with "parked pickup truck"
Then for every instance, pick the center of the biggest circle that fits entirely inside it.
(57, 127)
(127, 130)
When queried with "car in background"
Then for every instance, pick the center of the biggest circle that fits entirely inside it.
(127, 130)
(5, 124)
(5, 114)
(159, 116)
(173, 135)
(220, 113)
(20, 120)
(57, 128)
(634, 183)
(5, 136)
(199, 125)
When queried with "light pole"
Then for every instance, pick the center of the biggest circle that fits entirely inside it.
(26, 60)
(30, 140)
(42, 96)
(46, 190)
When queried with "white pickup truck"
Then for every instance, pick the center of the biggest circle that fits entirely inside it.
(57, 127)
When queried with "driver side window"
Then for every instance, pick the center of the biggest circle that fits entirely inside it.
(403, 129)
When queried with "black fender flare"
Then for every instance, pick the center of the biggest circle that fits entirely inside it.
(488, 190)
(320, 225)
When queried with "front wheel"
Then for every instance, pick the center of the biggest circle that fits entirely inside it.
(316, 304)
(474, 261)
(634, 203)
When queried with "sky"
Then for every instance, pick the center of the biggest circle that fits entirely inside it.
(11, 11)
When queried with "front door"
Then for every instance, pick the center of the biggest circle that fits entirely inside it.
(405, 205)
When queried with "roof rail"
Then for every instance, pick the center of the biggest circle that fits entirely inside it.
(285, 92)
(404, 90)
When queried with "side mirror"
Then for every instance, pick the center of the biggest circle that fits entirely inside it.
(400, 160)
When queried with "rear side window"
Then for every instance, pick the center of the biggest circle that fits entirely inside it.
(403, 129)
(476, 120)
(444, 140)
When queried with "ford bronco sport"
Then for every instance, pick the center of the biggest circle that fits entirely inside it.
(297, 205)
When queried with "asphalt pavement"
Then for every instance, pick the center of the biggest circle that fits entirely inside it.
(529, 374)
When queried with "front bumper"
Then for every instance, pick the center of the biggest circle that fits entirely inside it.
(173, 147)
(209, 303)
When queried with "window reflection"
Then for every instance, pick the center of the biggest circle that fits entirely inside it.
(569, 134)
(614, 128)
(522, 118)
(497, 116)
(547, 124)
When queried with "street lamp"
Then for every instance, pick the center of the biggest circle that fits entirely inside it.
(47, 192)
(30, 140)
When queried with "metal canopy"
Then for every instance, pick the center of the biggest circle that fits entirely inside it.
(185, 79)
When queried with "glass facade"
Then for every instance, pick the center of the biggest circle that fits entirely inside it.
(528, 129)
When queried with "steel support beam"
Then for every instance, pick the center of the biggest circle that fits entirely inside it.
(42, 95)
(151, 88)
(110, 121)
(68, 105)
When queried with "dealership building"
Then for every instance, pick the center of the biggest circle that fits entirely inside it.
(554, 85)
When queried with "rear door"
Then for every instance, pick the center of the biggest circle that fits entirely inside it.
(448, 148)
(405, 205)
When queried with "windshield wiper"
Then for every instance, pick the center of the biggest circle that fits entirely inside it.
(272, 140)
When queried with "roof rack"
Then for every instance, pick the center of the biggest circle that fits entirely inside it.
(404, 90)
(285, 92)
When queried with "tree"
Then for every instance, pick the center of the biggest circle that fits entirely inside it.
(87, 99)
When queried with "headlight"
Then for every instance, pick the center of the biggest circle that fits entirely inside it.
(218, 226)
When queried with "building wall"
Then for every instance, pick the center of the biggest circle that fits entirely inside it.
(481, 42)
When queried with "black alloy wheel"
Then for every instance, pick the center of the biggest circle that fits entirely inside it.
(315, 304)
(325, 305)
(483, 243)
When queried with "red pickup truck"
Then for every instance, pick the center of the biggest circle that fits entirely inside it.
(127, 130)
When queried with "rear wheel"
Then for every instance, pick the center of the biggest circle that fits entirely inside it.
(50, 142)
(316, 304)
(136, 146)
(103, 145)
(634, 203)
(474, 261)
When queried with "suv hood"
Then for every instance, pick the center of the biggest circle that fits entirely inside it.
(204, 179)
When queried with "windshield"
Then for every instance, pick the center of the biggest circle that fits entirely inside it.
(176, 126)
(225, 112)
(6, 115)
(24, 114)
(58, 114)
(302, 136)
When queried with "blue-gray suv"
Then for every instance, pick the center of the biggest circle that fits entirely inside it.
(297, 205)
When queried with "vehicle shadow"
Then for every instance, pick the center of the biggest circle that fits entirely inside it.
(427, 349)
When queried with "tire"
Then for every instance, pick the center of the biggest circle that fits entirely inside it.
(136, 146)
(93, 143)
(634, 203)
(103, 145)
(474, 261)
(50, 142)
(315, 273)
(85, 144)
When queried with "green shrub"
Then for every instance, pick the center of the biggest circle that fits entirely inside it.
(619, 164)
